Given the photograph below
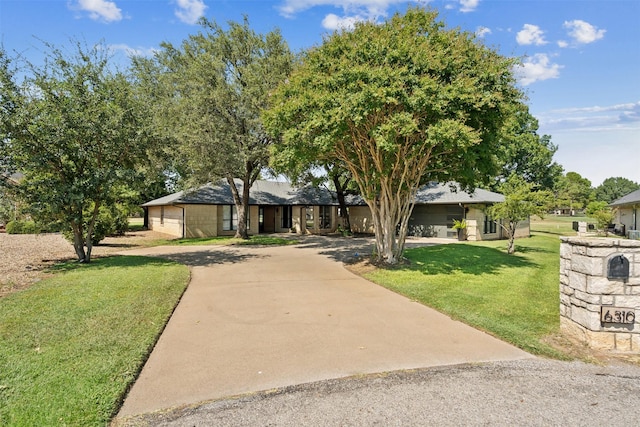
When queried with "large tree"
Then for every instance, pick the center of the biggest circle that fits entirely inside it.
(76, 133)
(612, 189)
(209, 93)
(399, 104)
(526, 153)
(573, 191)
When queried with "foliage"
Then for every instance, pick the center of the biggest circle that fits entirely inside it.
(572, 191)
(72, 345)
(208, 94)
(459, 224)
(602, 213)
(399, 104)
(527, 154)
(112, 220)
(514, 297)
(522, 201)
(612, 189)
(22, 227)
(76, 131)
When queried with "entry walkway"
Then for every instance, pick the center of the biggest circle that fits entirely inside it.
(255, 319)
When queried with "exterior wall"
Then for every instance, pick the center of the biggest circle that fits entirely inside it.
(201, 221)
(360, 219)
(586, 292)
(166, 219)
(628, 216)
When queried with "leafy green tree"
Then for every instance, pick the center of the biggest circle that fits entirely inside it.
(209, 94)
(573, 192)
(612, 189)
(522, 200)
(602, 213)
(399, 104)
(526, 153)
(76, 131)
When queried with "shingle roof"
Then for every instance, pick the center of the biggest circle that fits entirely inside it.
(282, 193)
(630, 199)
(261, 193)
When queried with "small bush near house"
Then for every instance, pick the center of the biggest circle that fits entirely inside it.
(22, 227)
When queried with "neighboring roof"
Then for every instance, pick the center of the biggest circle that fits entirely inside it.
(261, 193)
(283, 193)
(630, 199)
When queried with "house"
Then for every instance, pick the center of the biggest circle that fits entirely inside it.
(276, 207)
(627, 213)
(437, 205)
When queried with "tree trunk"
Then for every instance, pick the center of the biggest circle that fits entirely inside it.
(78, 240)
(90, 228)
(242, 204)
(344, 213)
(511, 249)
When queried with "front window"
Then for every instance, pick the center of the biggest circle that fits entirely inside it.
(229, 218)
(325, 217)
(286, 216)
(489, 225)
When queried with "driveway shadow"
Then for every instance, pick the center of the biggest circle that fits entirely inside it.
(339, 248)
(210, 257)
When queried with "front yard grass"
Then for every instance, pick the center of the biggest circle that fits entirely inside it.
(513, 297)
(71, 345)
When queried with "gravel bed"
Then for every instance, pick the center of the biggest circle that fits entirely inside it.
(25, 258)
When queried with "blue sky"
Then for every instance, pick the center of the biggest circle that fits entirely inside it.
(581, 58)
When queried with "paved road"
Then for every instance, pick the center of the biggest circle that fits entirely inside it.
(532, 392)
(288, 337)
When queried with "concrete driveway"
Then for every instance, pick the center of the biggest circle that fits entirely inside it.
(259, 318)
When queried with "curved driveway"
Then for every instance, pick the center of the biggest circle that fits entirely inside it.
(259, 318)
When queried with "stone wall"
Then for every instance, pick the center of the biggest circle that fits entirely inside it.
(587, 294)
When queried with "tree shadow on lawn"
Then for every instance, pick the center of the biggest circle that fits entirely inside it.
(462, 258)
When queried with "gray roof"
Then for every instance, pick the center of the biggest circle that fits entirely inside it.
(282, 193)
(261, 193)
(632, 198)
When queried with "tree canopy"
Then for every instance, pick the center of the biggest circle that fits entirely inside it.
(209, 93)
(76, 132)
(572, 191)
(399, 104)
(612, 189)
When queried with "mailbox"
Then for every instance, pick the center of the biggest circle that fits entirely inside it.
(618, 268)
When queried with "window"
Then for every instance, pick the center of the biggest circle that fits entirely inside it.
(489, 225)
(325, 217)
(229, 218)
(286, 216)
(310, 224)
(161, 214)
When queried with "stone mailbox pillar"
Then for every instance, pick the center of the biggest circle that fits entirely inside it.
(600, 292)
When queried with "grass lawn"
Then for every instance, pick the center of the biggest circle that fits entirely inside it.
(72, 344)
(558, 225)
(514, 297)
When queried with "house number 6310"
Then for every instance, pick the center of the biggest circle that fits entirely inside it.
(617, 315)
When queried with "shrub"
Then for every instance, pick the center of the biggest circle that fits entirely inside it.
(22, 227)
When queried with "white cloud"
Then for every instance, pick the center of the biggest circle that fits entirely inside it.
(468, 5)
(530, 34)
(537, 68)
(562, 43)
(100, 10)
(482, 31)
(595, 119)
(334, 22)
(190, 11)
(582, 32)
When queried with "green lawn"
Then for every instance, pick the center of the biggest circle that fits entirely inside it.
(514, 297)
(557, 224)
(71, 345)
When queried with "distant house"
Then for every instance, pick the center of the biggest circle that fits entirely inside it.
(276, 207)
(627, 212)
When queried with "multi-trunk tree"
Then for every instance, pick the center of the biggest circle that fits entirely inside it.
(208, 94)
(76, 132)
(399, 104)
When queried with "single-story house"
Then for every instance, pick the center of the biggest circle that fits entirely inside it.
(627, 213)
(276, 207)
